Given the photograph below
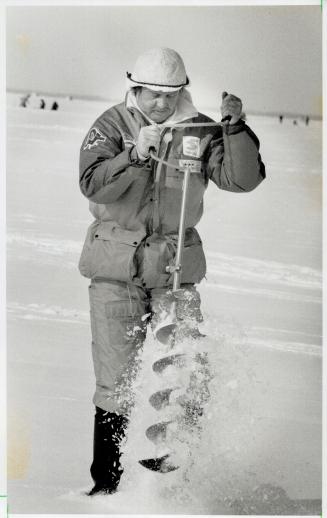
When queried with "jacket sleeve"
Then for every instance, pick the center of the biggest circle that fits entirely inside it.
(234, 162)
(104, 166)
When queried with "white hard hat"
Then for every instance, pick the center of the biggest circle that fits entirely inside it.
(159, 69)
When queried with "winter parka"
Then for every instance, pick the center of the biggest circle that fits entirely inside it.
(136, 205)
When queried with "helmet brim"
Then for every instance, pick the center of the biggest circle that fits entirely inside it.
(132, 83)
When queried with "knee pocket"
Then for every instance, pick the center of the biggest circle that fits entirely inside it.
(125, 317)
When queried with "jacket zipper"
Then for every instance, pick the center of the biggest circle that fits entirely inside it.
(155, 213)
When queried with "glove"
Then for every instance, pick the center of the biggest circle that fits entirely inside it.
(148, 138)
(231, 106)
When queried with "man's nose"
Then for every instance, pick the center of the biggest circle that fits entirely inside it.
(162, 103)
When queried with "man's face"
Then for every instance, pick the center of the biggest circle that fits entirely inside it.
(157, 105)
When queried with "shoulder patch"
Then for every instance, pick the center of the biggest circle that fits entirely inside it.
(94, 137)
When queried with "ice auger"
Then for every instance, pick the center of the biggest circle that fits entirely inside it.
(167, 333)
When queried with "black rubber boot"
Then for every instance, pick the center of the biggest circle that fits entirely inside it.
(106, 470)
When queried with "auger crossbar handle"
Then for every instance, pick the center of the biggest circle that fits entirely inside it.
(190, 124)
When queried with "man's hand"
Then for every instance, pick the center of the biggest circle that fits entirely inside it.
(148, 137)
(231, 106)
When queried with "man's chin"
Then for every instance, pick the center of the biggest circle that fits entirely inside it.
(160, 117)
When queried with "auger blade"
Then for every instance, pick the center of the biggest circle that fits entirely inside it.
(173, 359)
(160, 399)
(165, 332)
(160, 464)
(157, 432)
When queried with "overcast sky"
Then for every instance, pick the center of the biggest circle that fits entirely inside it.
(268, 56)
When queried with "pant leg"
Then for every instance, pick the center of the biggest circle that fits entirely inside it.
(118, 331)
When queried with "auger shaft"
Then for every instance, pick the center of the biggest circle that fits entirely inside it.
(181, 231)
(165, 330)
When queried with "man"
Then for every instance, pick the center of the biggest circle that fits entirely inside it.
(135, 201)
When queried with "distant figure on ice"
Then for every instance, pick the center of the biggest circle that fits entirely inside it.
(42, 104)
(55, 106)
(281, 117)
(307, 119)
(24, 100)
(294, 122)
(136, 205)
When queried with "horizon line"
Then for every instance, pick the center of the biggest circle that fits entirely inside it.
(115, 101)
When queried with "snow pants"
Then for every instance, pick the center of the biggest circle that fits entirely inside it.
(120, 313)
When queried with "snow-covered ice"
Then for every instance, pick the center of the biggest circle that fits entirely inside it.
(260, 450)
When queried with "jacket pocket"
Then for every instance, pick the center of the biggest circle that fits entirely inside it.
(159, 251)
(109, 252)
(155, 254)
(194, 262)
